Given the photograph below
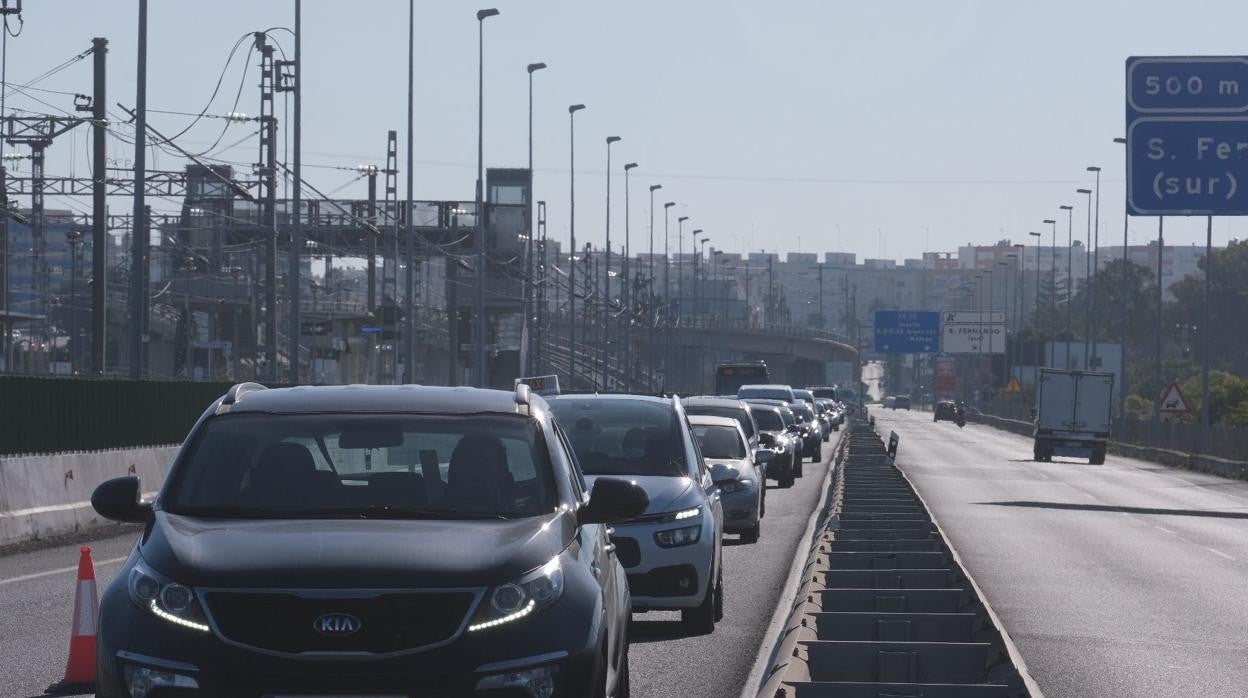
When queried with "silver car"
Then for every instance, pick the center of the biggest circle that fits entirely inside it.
(722, 442)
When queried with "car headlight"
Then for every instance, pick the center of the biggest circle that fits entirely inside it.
(676, 537)
(507, 603)
(165, 598)
(738, 485)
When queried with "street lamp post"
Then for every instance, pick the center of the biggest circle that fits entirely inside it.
(1035, 318)
(530, 289)
(1122, 383)
(652, 306)
(606, 273)
(1087, 279)
(1096, 247)
(1070, 279)
(680, 270)
(74, 237)
(697, 262)
(628, 283)
(667, 289)
(1053, 268)
(482, 374)
(572, 110)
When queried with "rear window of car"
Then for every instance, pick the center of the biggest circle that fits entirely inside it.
(768, 420)
(719, 441)
(623, 436)
(737, 413)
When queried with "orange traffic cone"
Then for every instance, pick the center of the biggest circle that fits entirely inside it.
(80, 668)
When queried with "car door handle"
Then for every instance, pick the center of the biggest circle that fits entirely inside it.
(609, 547)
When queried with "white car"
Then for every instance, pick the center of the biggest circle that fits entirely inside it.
(673, 552)
(744, 499)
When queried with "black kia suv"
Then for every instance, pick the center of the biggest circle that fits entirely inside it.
(369, 540)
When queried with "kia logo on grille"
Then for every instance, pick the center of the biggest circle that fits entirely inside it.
(337, 624)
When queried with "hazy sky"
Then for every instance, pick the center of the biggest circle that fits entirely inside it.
(870, 127)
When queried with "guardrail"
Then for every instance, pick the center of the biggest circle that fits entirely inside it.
(885, 607)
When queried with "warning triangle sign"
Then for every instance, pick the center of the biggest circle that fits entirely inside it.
(1173, 402)
(1014, 386)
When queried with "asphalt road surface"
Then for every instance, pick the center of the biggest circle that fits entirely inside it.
(1126, 579)
(36, 605)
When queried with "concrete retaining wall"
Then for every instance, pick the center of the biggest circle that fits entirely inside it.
(50, 495)
(1175, 459)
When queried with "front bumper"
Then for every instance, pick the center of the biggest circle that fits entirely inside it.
(666, 578)
(540, 647)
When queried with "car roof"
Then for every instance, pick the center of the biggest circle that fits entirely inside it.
(716, 402)
(716, 421)
(772, 386)
(380, 398)
(567, 397)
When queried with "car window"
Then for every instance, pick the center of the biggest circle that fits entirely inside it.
(740, 414)
(350, 465)
(622, 436)
(768, 420)
(718, 441)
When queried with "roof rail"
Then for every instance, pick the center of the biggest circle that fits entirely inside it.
(239, 391)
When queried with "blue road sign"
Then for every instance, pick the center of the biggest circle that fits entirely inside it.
(907, 332)
(1187, 135)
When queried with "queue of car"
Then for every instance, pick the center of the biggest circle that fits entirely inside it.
(386, 540)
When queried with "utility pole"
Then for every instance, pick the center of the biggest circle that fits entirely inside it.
(572, 110)
(293, 271)
(392, 212)
(138, 224)
(99, 206)
(409, 291)
(372, 240)
(822, 319)
(540, 292)
(267, 173)
(1161, 251)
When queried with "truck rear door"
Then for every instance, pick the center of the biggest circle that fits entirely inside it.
(1056, 396)
(1092, 402)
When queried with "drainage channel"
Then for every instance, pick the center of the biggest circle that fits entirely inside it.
(884, 609)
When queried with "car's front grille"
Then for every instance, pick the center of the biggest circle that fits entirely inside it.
(627, 550)
(391, 621)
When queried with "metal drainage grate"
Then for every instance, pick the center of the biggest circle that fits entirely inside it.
(884, 610)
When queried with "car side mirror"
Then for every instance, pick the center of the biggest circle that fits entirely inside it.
(121, 499)
(613, 500)
(764, 456)
(766, 439)
(721, 473)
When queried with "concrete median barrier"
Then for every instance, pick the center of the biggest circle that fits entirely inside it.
(884, 607)
(48, 496)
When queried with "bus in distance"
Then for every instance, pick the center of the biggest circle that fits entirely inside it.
(731, 376)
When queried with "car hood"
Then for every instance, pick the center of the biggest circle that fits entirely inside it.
(663, 490)
(352, 552)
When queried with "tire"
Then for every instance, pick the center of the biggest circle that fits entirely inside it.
(752, 535)
(762, 503)
(701, 620)
(623, 688)
(797, 468)
(1097, 459)
(719, 594)
(787, 480)
(818, 454)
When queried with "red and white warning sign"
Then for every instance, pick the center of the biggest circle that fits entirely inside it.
(1173, 402)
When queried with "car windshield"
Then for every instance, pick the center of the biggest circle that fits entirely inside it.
(623, 436)
(747, 392)
(802, 412)
(717, 441)
(768, 420)
(737, 413)
(353, 465)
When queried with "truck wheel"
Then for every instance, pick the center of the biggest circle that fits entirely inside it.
(1098, 458)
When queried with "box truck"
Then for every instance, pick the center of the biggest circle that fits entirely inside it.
(1073, 414)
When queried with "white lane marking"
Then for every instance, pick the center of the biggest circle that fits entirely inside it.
(1219, 553)
(62, 570)
(1163, 528)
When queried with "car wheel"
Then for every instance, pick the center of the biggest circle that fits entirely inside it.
(818, 454)
(752, 535)
(701, 620)
(797, 469)
(787, 480)
(762, 503)
(719, 594)
(623, 684)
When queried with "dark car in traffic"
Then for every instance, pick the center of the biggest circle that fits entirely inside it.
(945, 411)
(369, 540)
